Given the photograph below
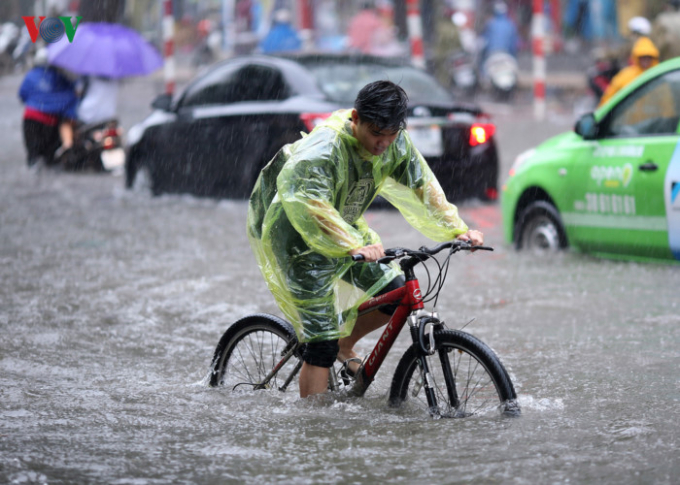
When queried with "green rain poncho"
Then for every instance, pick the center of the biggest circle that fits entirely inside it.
(306, 215)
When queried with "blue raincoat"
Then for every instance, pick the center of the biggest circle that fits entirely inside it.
(46, 90)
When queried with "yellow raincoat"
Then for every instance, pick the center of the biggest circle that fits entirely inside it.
(306, 214)
(643, 47)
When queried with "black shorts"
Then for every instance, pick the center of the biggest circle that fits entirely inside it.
(41, 141)
(324, 353)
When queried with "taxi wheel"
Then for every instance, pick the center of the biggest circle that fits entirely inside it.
(540, 228)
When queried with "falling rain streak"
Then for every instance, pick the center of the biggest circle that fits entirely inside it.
(112, 301)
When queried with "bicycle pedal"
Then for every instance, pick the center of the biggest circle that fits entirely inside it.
(346, 379)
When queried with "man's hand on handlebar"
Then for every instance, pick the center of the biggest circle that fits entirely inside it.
(370, 253)
(473, 236)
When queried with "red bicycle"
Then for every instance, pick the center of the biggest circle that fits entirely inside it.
(449, 373)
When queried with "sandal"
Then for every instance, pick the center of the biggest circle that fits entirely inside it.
(346, 368)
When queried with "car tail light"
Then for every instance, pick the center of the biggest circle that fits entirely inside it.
(491, 193)
(312, 119)
(480, 133)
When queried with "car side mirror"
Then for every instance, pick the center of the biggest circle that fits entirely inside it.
(162, 102)
(587, 127)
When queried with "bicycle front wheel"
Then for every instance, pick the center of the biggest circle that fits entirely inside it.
(466, 375)
(257, 352)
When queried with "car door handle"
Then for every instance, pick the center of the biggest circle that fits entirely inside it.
(648, 166)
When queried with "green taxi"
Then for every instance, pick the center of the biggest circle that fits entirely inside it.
(611, 187)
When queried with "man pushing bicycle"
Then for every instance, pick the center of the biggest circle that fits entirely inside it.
(305, 220)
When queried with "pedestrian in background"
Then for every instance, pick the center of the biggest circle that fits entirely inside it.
(50, 103)
(447, 43)
(666, 31)
(282, 37)
(362, 29)
(644, 55)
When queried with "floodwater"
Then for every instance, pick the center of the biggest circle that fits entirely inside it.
(111, 304)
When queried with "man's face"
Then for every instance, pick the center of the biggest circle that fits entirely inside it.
(373, 139)
(645, 62)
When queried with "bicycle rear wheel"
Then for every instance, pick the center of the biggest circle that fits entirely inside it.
(251, 349)
(467, 378)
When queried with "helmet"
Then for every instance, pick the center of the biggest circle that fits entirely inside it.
(640, 26)
(282, 16)
(460, 19)
(500, 8)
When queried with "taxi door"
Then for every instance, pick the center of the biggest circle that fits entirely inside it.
(623, 208)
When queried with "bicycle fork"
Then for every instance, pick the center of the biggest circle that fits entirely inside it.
(422, 333)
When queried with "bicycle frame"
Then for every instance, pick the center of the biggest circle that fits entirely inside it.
(410, 299)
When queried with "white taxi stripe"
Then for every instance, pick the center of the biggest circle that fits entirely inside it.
(642, 223)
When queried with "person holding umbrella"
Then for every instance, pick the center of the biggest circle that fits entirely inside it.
(103, 53)
(107, 50)
(99, 100)
(50, 109)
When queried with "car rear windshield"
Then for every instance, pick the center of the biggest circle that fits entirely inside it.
(342, 82)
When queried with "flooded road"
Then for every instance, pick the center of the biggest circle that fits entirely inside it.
(111, 304)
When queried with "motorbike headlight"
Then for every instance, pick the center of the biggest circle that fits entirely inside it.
(521, 160)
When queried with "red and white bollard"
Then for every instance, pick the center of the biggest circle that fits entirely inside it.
(537, 43)
(169, 47)
(415, 32)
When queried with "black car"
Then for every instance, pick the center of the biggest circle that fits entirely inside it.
(215, 137)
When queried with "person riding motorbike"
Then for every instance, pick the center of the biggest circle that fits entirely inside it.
(644, 55)
(305, 220)
(500, 34)
(600, 75)
(282, 37)
(638, 27)
(50, 111)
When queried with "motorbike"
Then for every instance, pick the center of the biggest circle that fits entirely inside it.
(97, 147)
(502, 74)
(600, 75)
(208, 48)
(9, 37)
(463, 72)
(24, 51)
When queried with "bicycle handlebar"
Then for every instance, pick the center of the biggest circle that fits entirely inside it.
(395, 253)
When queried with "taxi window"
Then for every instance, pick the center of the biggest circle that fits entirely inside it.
(654, 109)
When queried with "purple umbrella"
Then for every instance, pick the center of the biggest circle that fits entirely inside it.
(108, 50)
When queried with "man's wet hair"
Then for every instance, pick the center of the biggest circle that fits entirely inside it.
(382, 104)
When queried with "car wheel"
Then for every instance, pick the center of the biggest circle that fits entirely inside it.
(540, 228)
